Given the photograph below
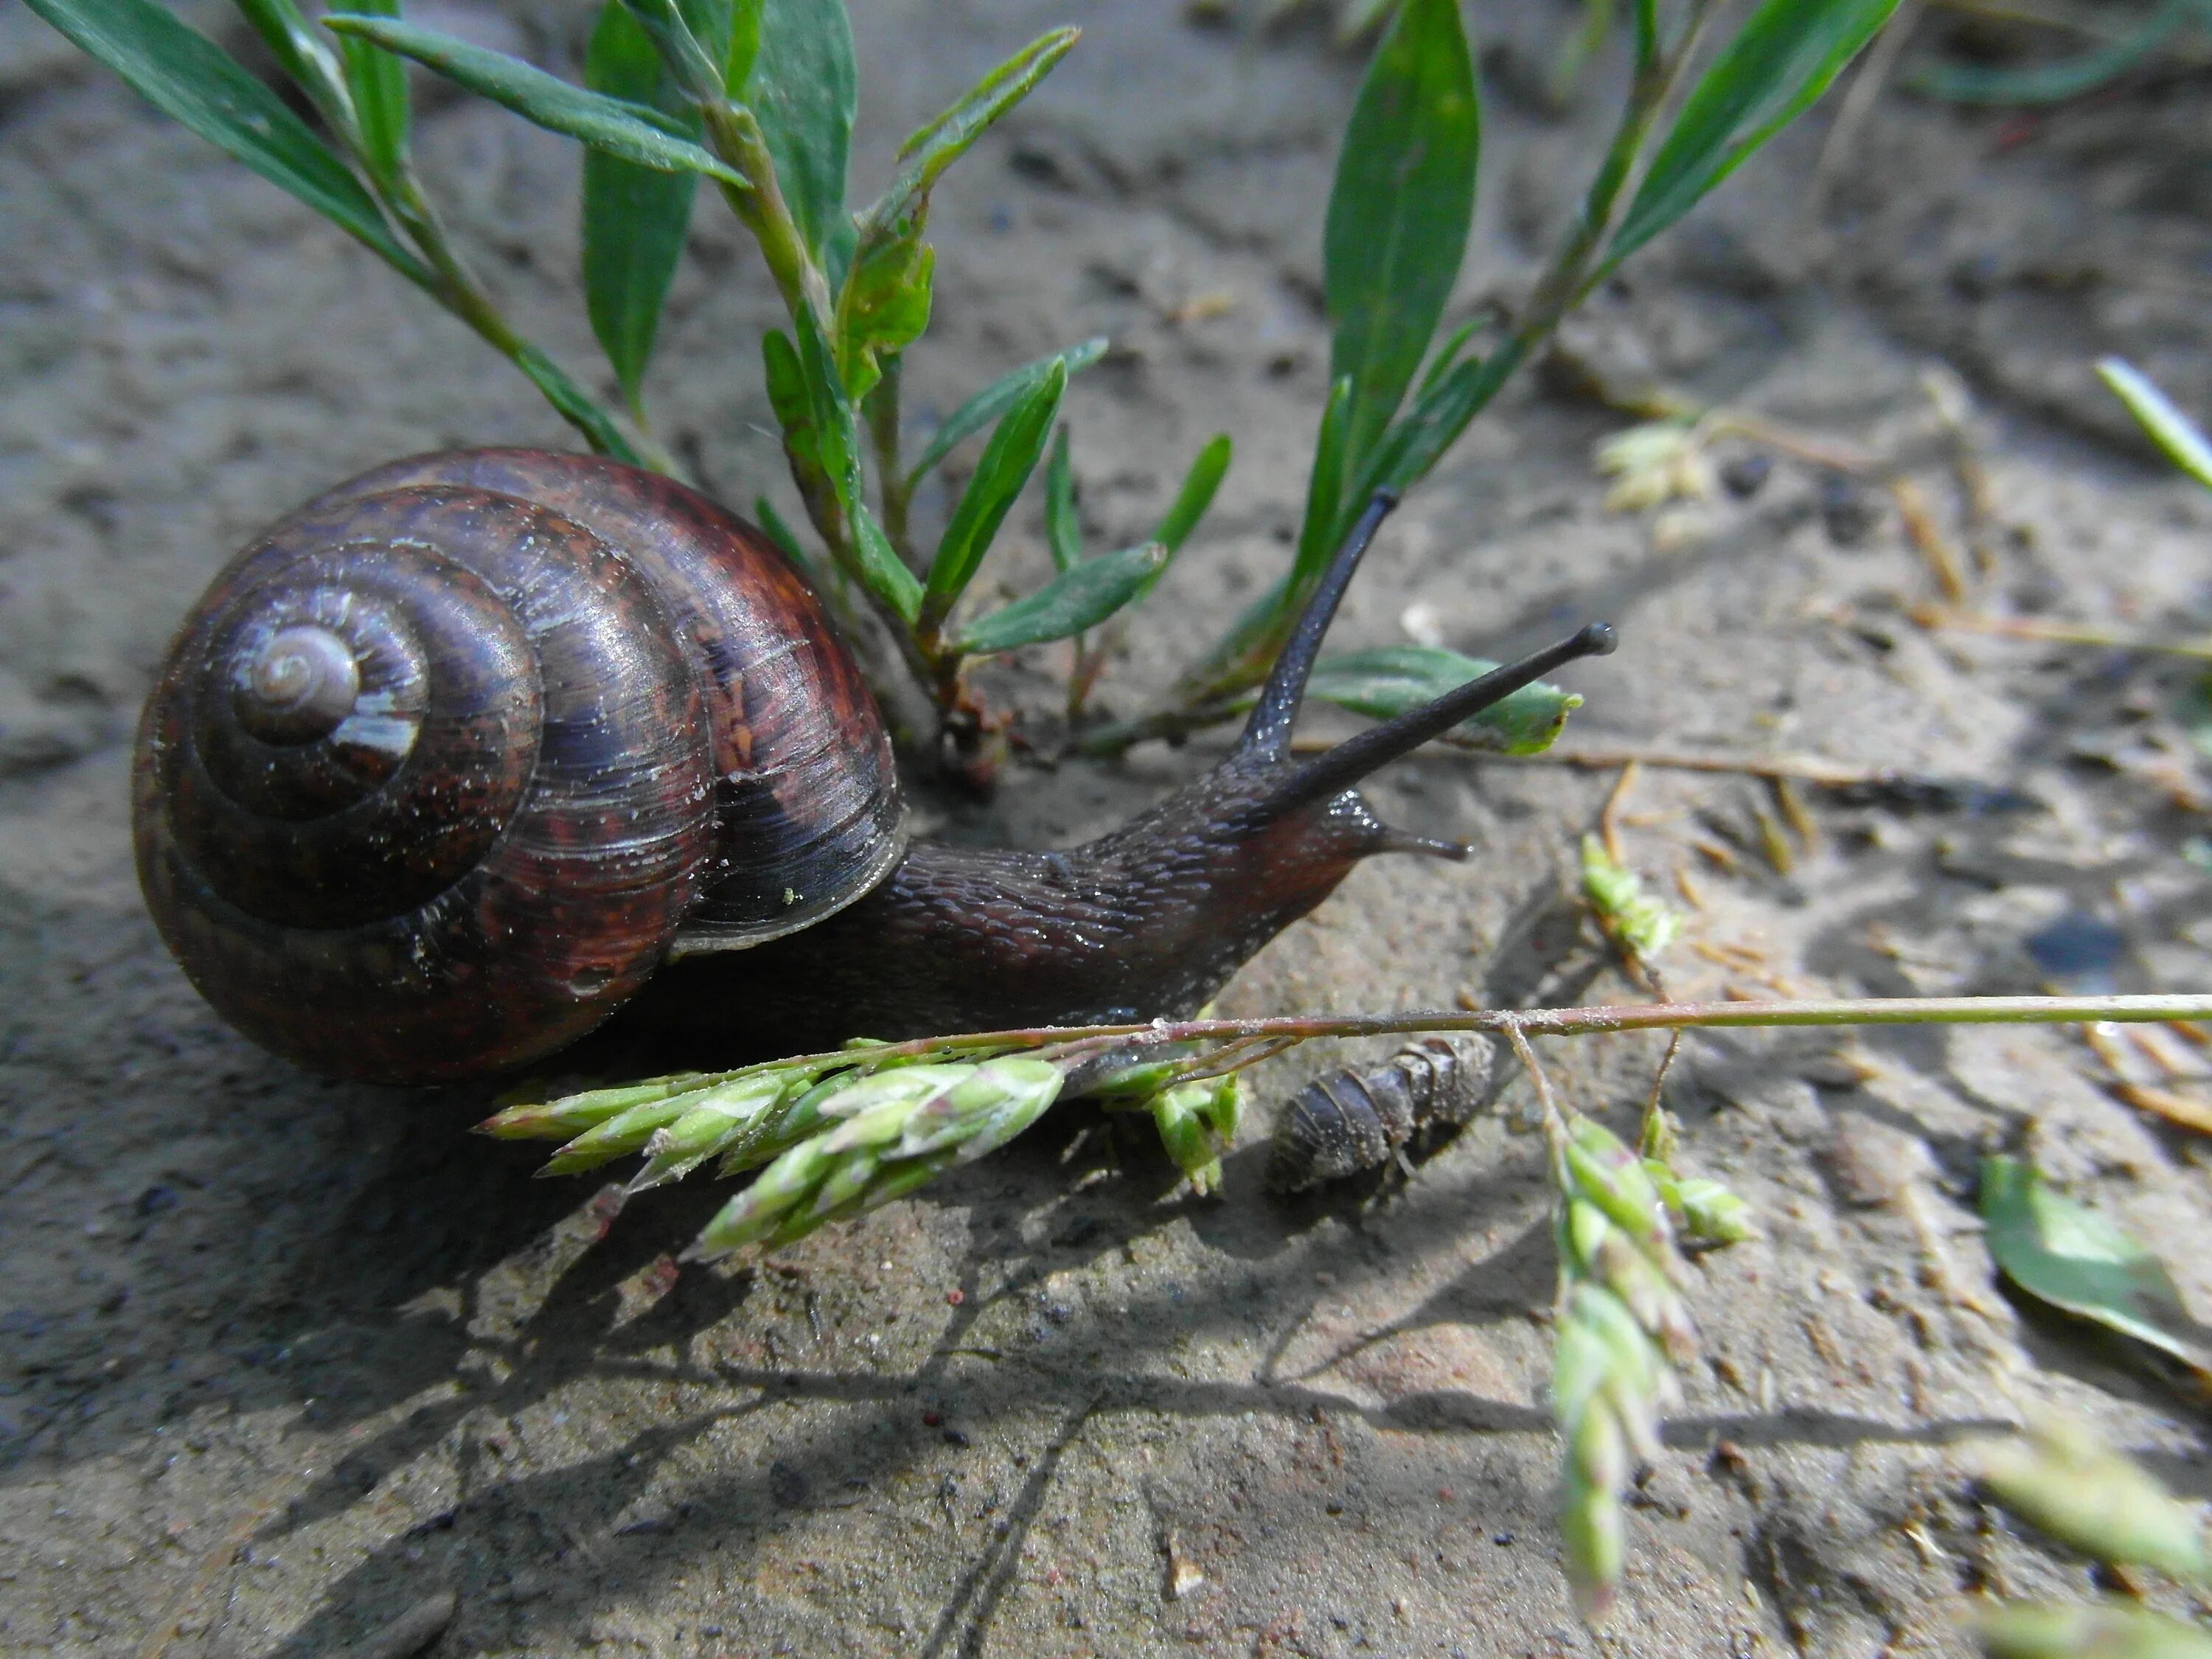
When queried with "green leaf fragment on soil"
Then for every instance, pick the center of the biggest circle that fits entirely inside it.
(2070, 1256)
(1388, 680)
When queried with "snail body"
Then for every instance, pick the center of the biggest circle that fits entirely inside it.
(477, 748)
(1350, 1121)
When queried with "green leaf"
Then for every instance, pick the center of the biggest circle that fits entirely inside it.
(1399, 211)
(2070, 1256)
(882, 308)
(881, 568)
(996, 398)
(691, 44)
(629, 130)
(1063, 532)
(1392, 678)
(1780, 62)
(743, 50)
(1081, 597)
(1317, 537)
(378, 83)
(2159, 415)
(828, 411)
(943, 141)
(303, 55)
(785, 539)
(786, 391)
(635, 217)
(1438, 417)
(194, 82)
(1197, 492)
(2049, 84)
(1007, 461)
(1447, 355)
(803, 87)
(819, 431)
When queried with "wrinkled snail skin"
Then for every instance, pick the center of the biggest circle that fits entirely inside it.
(1149, 921)
(480, 746)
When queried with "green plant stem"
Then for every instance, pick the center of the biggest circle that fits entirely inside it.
(733, 133)
(1206, 695)
(882, 408)
(1269, 1035)
(457, 289)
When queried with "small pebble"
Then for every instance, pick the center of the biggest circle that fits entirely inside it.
(1848, 511)
(1745, 476)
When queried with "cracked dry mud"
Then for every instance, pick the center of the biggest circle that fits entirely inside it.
(286, 1359)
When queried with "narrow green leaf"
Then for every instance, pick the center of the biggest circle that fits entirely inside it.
(824, 414)
(1007, 461)
(803, 87)
(194, 82)
(576, 405)
(1317, 537)
(1390, 679)
(787, 394)
(691, 43)
(1081, 597)
(1447, 355)
(830, 411)
(881, 568)
(1780, 62)
(1399, 211)
(629, 130)
(2050, 83)
(785, 538)
(2160, 416)
(304, 56)
(943, 141)
(1197, 492)
(1438, 417)
(743, 50)
(996, 398)
(1063, 531)
(2070, 1256)
(635, 217)
(378, 83)
(1647, 34)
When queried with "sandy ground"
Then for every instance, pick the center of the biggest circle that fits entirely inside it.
(283, 1359)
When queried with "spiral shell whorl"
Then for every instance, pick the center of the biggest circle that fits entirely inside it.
(490, 847)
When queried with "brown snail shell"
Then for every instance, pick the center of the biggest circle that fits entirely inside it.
(438, 765)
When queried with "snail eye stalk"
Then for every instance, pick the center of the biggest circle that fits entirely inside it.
(1268, 732)
(1341, 768)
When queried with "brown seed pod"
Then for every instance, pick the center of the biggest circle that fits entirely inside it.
(1351, 1121)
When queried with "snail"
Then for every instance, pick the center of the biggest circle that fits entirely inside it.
(477, 748)
(1350, 1121)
